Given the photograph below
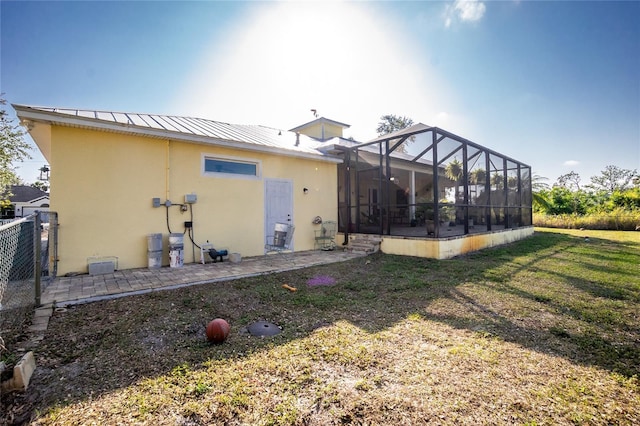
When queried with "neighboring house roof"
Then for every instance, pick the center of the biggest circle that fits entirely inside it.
(197, 130)
(24, 194)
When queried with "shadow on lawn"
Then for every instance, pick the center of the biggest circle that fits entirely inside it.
(100, 347)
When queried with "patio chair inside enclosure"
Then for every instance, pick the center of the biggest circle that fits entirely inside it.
(281, 239)
(326, 235)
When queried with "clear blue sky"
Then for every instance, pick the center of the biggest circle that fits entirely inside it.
(553, 84)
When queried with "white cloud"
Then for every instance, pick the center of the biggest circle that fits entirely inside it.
(441, 118)
(470, 10)
(571, 163)
(342, 59)
(465, 11)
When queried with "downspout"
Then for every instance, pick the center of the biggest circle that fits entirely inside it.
(166, 172)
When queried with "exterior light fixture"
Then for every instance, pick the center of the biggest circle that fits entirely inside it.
(44, 172)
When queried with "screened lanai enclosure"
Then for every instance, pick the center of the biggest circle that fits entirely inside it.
(426, 182)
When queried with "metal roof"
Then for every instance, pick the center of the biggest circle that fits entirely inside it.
(422, 128)
(200, 130)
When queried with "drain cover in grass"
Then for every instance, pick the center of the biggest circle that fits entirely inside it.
(263, 328)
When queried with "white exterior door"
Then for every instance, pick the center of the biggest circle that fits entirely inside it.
(278, 200)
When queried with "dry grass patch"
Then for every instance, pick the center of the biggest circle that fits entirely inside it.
(544, 331)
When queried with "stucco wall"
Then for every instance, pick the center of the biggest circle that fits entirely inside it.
(448, 248)
(102, 187)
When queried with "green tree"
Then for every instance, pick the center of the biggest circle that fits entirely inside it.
(563, 201)
(628, 199)
(570, 181)
(614, 178)
(392, 123)
(41, 186)
(12, 148)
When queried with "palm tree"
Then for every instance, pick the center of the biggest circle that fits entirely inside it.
(478, 176)
(454, 171)
(539, 193)
(497, 180)
(537, 183)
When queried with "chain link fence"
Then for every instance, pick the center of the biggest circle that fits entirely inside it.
(28, 250)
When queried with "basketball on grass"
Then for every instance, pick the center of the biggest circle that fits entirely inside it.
(218, 330)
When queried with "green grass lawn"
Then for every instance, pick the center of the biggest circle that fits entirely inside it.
(543, 331)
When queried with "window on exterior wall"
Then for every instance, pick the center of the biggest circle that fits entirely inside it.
(225, 166)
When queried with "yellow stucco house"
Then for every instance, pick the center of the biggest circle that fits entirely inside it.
(119, 177)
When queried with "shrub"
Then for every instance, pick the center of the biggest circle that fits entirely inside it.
(617, 220)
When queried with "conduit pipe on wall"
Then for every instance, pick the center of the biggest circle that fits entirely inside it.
(166, 172)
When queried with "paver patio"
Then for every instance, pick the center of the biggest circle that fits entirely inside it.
(84, 288)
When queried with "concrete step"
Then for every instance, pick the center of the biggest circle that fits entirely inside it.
(365, 244)
(361, 250)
